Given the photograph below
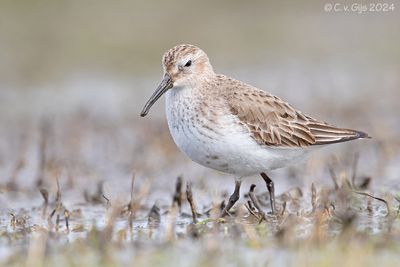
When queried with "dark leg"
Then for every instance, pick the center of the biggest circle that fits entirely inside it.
(271, 190)
(233, 198)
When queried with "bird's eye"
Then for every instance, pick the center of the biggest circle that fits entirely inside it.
(188, 64)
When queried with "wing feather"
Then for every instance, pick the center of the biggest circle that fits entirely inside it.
(274, 122)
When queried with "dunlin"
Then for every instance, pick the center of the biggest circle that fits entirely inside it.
(233, 127)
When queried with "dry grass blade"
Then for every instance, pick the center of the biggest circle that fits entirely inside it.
(333, 177)
(189, 196)
(354, 169)
(131, 203)
(13, 221)
(66, 216)
(374, 197)
(250, 205)
(256, 204)
(107, 233)
(250, 208)
(44, 129)
(132, 187)
(58, 222)
(59, 209)
(108, 203)
(313, 198)
(283, 209)
(154, 214)
(58, 196)
(134, 203)
(45, 195)
(177, 198)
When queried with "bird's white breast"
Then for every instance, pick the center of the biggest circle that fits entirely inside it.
(221, 143)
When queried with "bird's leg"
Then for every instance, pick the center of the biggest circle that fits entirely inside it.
(271, 190)
(233, 198)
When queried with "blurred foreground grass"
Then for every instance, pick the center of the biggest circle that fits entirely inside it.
(354, 231)
(67, 200)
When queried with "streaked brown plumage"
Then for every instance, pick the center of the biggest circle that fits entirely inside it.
(274, 122)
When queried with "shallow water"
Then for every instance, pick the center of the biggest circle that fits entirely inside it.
(89, 133)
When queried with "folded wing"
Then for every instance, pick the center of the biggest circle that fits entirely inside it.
(274, 122)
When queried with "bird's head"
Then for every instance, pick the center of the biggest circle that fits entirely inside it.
(184, 66)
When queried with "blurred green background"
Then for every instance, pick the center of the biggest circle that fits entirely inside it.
(50, 41)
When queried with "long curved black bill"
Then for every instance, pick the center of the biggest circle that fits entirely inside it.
(164, 86)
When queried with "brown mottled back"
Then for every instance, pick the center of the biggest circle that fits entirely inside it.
(273, 122)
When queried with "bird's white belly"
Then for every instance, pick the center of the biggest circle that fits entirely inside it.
(224, 144)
